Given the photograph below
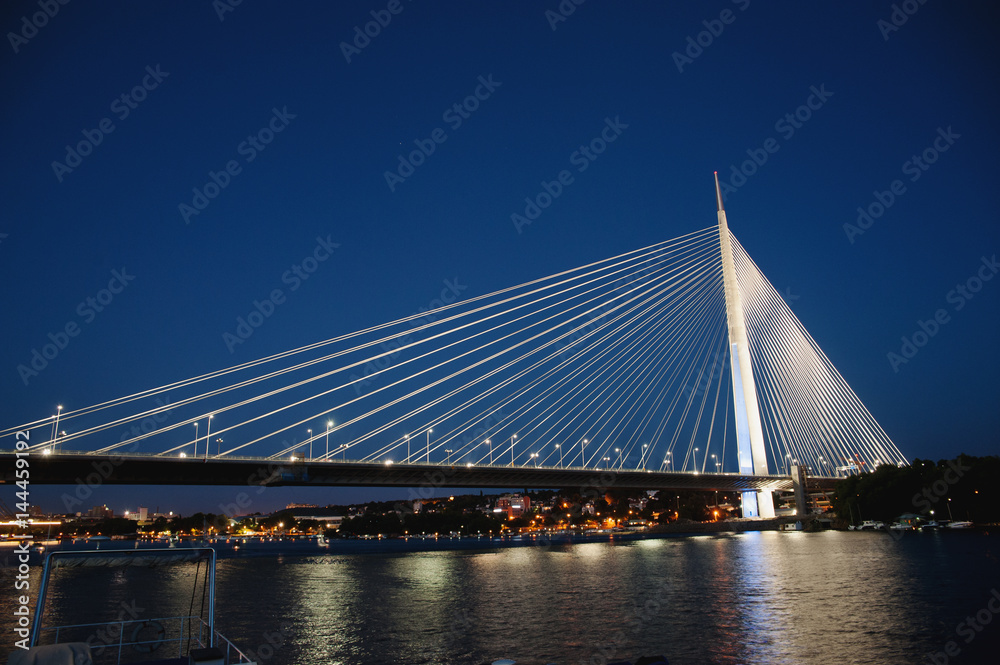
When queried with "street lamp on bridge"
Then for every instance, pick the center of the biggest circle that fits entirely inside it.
(490, 444)
(208, 435)
(310, 443)
(618, 462)
(559, 448)
(696, 459)
(329, 426)
(195, 453)
(429, 430)
(448, 451)
(513, 438)
(583, 456)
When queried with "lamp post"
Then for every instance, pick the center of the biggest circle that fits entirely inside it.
(607, 462)
(618, 462)
(644, 446)
(407, 447)
(696, 460)
(55, 429)
(195, 453)
(534, 456)
(429, 445)
(716, 462)
(310, 443)
(208, 435)
(950, 518)
(448, 452)
(559, 448)
(218, 452)
(583, 455)
(513, 438)
(490, 444)
(329, 426)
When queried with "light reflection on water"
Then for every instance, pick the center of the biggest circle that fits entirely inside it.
(749, 598)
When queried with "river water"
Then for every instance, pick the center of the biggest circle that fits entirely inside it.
(765, 597)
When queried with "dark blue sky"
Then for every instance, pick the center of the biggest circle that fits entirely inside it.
(927, 89)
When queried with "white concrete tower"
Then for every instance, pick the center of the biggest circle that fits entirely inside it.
(749, 434)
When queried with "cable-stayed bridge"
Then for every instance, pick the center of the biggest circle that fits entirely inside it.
(672, 366)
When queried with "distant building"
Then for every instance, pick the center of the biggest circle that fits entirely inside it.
(514, 505)
(101, 512)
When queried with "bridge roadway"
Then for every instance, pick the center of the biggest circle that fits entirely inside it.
(131, 469)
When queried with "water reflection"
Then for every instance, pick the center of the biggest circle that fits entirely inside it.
(750, 598)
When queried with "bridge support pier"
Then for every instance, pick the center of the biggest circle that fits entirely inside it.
(758, 503)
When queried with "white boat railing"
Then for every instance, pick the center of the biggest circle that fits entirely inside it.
(195, 625)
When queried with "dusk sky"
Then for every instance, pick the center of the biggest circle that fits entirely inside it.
(117, 115)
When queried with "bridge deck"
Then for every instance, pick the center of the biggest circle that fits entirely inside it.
(74, 468)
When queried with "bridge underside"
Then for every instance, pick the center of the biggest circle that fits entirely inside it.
(71, 469)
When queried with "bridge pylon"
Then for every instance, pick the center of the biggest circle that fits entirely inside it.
(749, 433)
